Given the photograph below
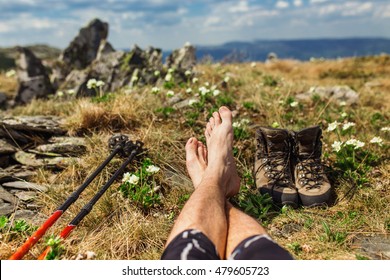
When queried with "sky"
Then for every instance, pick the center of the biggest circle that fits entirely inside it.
(169, 24)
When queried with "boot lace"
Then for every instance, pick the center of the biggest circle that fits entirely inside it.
(276, 166)
(310, 172)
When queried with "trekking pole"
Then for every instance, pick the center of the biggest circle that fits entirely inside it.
(132, 149)
(116, 144)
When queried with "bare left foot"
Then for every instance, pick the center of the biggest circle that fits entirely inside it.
(196, 160)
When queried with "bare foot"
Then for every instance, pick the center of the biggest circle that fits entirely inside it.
(219, 139)
(196, 160)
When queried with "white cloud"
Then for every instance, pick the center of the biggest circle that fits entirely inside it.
(354, 9)
(242, 7)
(298, 3)
(317, 1)
(282, 4)
(212, 21)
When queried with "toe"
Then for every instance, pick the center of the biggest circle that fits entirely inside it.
(201, 152)
(192, 147)
(208, 130)
(225, 114)
(217, 118)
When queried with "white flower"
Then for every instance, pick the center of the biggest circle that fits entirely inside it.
(60, 93)
(195, 80)
(353, 142)
(226, 79)
(168, 77)
(377, 140)
(152, 169)
(134, 179)
(71, 91)
(253, 64)
(157, 73)
(342, 103)
(294, 104)
(188, 90)
(236, 124)
(170, 93)
(188, 73)
(10, 73)
(337, 146)
(171, 70)
(192, 102)
(275, 125)
(216, 92)
(91, 83)
(203, 91)
(207, 84)
(126, 177)
(99, 84)
(332, 126)
(385, 129)
(245, 121)
(344, 115)
(155, 90)
(348, 125)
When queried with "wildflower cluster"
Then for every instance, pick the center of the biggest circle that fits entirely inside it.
(351, 159)
(141, 186)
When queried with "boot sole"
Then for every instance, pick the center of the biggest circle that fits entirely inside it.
(282, 198)
(313, 201)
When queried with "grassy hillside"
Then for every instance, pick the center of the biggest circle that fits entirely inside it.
(134, 224)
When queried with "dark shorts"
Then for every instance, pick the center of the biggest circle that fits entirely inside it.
(194, 245)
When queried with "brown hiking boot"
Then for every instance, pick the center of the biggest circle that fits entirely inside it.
(310, 179)
(272, 165)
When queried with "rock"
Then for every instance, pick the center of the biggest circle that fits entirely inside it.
(7, 196)
(4, 161)
(67, 146)
(184, 58)
(32, 160)
(6, 148)
(376, 247)
(30, 217)
(340, 94)
(24, 186)
(15, 172)
(271, 57)
(6, 209)
(32, 77)
(26, 129)
(104, 49)
(26, 196)
(3, 101)
(81, 51)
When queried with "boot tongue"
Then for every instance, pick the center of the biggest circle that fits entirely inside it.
(276, 140)
(308, 140)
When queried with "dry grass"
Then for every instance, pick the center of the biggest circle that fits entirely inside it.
(118, 229)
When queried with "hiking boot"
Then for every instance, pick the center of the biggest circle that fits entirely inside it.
(272, 165)
(310, 179)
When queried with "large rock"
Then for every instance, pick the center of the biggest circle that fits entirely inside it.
(184, 58)
(66, 146)
(6, 148)
(15, 172)
(81, 51)
(33, 79)
(26, 129)
(339, 94)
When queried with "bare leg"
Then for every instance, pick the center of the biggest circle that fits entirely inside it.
(206, 208)
(240, 225)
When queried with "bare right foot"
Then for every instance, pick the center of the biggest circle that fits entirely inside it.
(221, 165)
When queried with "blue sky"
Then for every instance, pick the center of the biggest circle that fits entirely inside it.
(169, 24)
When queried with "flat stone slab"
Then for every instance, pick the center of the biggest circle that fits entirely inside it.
(6, 148)
(68, 146)
(32, 160)
(376, 247)
(24, 186)
(30, 217)
(7, 196)
(15, 173)
(6, 209)
(26, 196)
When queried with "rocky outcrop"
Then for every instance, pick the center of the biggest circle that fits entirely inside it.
(33, 79)
(338, 94)
(182, 59)
(28, 143)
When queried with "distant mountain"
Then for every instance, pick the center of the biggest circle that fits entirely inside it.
(295, 49)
